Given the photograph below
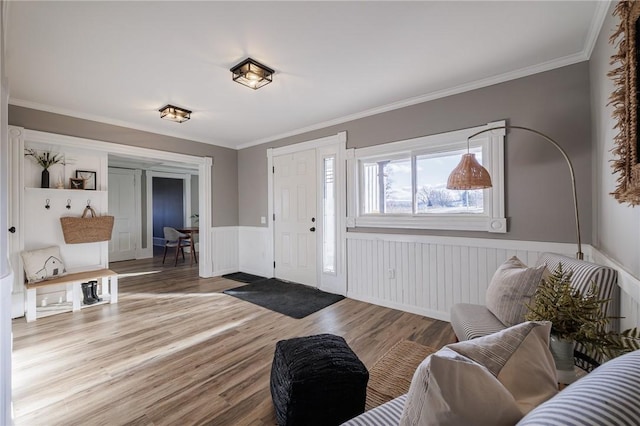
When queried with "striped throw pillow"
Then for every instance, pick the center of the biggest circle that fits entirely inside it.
(511, 288)
(607, 396)
(491, 380)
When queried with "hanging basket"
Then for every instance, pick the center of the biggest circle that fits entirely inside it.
(85, 229)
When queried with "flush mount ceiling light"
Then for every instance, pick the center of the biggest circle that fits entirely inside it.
(175, 113)
(252, 74)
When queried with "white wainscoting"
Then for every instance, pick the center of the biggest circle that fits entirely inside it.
(224, 250)
(254, 251)
(629, 291)
(426, 275)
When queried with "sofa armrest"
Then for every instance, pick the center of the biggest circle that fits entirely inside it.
(387, 414)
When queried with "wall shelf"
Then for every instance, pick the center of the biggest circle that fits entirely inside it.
(50, 191)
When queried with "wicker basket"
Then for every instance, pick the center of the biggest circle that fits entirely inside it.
(85, 229)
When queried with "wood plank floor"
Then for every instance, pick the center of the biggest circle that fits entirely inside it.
(175, 350)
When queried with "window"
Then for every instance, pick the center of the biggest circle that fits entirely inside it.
(329, 216)
(403, 184)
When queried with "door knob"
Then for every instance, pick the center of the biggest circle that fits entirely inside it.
(12, 229)
(313, 219)
(312, 229)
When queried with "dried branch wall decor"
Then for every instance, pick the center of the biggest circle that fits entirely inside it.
(624, 100)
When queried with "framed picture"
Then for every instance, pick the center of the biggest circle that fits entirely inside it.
(76, 183)
(88, 177)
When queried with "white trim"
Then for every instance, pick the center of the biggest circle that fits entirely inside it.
(466, 87)
(108, 147)
(429, 313)
(492, 143)
(16, 147)
(204, 172)
(599, 16)
(540, 246)
(339, 141)
(114, 122)
(626, 281)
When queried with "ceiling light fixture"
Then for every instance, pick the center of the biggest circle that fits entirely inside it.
(174, 113)
(252, 74)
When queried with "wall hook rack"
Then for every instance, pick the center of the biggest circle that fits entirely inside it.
(46, 204)
(68, 204)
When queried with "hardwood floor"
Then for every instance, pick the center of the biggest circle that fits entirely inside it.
(175, 350)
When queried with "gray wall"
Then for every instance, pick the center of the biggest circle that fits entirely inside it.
(224, 176)
(538, 191)
(616, 226)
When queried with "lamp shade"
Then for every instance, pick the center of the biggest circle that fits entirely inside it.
(469, 174)
(252, 74)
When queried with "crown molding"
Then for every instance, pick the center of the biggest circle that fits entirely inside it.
(111, 121)
(599, 16)
(478, 84)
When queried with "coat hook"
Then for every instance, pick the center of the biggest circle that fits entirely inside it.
(46, 205)
(68, 203)
(88, 204)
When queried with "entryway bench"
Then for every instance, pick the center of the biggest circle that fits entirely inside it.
(74, 293)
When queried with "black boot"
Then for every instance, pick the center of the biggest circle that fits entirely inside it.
(86, 292)
(94, 291)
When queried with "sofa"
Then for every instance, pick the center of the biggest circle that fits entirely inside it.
(505, 363)
(607, 396)
(470, 321)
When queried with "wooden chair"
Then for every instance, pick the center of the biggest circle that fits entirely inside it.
(177, 240)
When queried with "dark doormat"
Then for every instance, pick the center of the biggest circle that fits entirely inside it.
(294, 300)
(243, 277)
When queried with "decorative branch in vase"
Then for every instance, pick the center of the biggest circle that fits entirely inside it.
(577, 317)
(44, 160)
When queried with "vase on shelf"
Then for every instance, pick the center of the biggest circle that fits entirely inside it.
(44, 179)
(562, 351)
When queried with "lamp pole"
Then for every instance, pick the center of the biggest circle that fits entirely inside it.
(579, 254)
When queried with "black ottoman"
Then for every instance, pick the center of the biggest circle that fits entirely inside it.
(317, 380)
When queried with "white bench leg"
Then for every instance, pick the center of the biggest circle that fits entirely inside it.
(31, 305)
(77, 296)
(113, 288)
(69, 293)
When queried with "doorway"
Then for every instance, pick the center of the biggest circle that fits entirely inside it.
(168, 206)
(294, 192)
(307, 212)
(124, 206)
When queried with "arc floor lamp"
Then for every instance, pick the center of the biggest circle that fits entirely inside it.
(470, 174)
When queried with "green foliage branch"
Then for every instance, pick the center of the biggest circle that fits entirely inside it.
(578, 316)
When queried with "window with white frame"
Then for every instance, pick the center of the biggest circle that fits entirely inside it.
(403, 184)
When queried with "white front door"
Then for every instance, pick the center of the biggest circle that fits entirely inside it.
(122, 205)
(294, 185)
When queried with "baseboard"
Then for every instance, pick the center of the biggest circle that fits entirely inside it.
(442, 316)
(144, 253)
(224, 272)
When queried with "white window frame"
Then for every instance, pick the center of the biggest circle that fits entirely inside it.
(491, 220)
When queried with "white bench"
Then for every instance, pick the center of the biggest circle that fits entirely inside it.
(73, 288)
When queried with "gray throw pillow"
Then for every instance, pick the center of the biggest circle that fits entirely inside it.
(511, 288)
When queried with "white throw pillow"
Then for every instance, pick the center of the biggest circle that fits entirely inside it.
(492, 380)
(43, 264)
(511, 288)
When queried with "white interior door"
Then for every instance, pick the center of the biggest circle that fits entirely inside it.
(294, 185)
(122, 205)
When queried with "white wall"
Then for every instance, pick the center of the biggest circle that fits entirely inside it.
(616, 227)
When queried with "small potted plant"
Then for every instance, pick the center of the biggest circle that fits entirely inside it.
(577, 316)
(44, 160)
